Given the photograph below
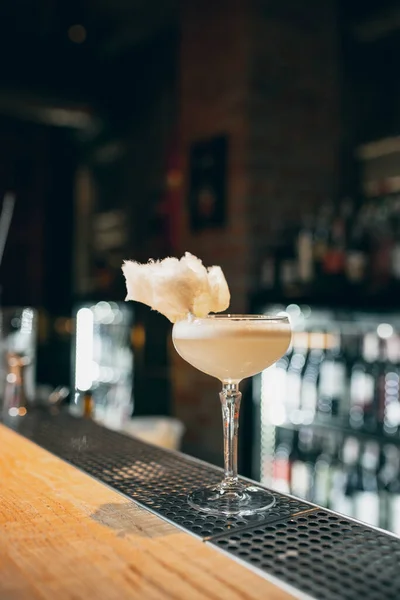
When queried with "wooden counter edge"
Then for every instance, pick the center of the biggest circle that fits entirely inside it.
(65, 535)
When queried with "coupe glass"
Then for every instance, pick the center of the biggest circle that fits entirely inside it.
(231, 348)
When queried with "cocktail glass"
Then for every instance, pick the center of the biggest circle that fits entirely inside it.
(231, 348)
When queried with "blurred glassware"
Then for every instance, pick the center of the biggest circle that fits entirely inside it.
(103, 361)
(18, 364)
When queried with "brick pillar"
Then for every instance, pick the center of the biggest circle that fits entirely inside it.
(265, 73)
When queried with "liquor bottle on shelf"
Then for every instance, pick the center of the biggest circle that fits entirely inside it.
(391, 418)
(366, 493)
(286, 447)
(274, 391)
(332, 378)
(371, 398)
(302, 466)
(381, 249)
(338, 501)
(393, 487)
(335, 257)
(380, 384)
(345, 482)
(309, 384)
(268, 271)
(395, 254)
(362, 413)
(356, 259)
(305, 256)
(321, 239)
(389, 487)
(294, 374)
(324, 470)
(287, 264)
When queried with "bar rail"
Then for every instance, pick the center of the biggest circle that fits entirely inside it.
(313, 552)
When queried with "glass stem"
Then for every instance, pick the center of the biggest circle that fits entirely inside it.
(230, 401)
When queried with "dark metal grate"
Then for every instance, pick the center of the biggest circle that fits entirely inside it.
(314, 551)
(153, 477)
(323, 555)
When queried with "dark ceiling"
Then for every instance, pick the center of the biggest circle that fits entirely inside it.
(81, 58)
(78, 55)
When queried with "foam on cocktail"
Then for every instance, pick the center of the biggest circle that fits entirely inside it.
(177, 288)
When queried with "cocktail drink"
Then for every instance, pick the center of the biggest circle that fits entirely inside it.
(228, 347)
(231, 348)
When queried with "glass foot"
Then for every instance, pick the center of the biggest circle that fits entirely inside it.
(231, 499)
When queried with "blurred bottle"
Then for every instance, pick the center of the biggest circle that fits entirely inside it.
(389, 487)
(332, 378)
(335, 256)
(356, 260)
(302, 466)
(309, 384)
(288, 278)
(345, 503)
(366, 493)
(362, 384)
(395, 254)
(383, 383)
(286, 441)
(321, 239)
(268, 274)
(344, 458)
(393, 488)
(324, 470)
(295, 374)
(88, 405)
(305, 253)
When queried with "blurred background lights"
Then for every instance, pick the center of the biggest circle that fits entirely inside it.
(384, 331)
(77, 33)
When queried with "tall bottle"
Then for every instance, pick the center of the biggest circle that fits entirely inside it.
(362, 384)
(288, 277)
(302, 468)
(371, 401)
(323, 470)
(305, 254)
(389, 488)
(366, 494)
(283, 456)
(391, 419)
(356, 261)
(321, 240)
(311, 372)
(335, 257)
(295, 370)
(393, 488)
(332, 378)
(345, 483)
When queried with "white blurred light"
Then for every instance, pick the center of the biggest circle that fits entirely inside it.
(103, 313)
(384, 331)
(26, 320)
(294, 310)
(13, 412)
(84, 349)
(95, 371)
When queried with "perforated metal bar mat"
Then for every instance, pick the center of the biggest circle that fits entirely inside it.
(317, 553)
(155, 478)
(323, 555)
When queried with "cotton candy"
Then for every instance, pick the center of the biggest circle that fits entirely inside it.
(177, 288)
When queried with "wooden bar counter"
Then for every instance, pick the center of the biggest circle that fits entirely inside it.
(64, 535)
